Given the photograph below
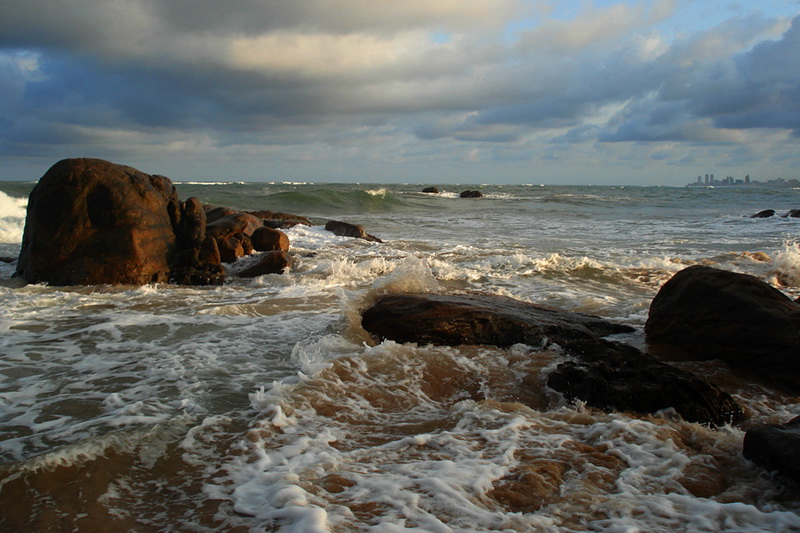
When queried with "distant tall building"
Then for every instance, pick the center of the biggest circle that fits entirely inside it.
(706, 179)
(747, 179)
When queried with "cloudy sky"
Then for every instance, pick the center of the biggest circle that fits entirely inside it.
(421, 91)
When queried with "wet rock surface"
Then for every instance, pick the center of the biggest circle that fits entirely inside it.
(775, 447)
(90, 221)
(607, 375)
(707, 313)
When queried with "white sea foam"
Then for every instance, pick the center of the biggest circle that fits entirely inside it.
(12, 218)
(380, 440)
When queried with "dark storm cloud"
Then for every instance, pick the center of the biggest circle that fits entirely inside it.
(250, 73)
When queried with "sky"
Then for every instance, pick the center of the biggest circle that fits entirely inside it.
(413, 91)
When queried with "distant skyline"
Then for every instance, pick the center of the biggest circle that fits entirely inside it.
(420, 91)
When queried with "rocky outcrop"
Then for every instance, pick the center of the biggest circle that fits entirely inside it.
(606, 375)
(345, 229)
(775, 447)
(90, 221)
(457, 319)
(431, 190)
(471, 194)
(766, 213)
(706, 313)
(792, 213)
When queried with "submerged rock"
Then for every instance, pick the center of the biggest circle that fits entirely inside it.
(775, 447)
(431, 190)
(792, 213)
(345, 229)
(766, 213)
(707, 313)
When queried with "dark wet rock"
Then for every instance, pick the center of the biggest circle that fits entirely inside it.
(766, 213)
(706, 313)
(431, 190)
(275, 262)
(200, 265)
(345, 229)
(280, 220)
(471, 194)
(775, 447)
(614, 376)
(456, 319)
(7, 259)
(191, 227)
(90, 221)
(266, 239)
(792, 213)
(607, 375)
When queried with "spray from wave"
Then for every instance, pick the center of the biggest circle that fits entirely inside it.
(12, 218)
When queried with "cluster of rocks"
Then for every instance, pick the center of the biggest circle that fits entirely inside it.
(92, 222)
(767, 213)
(464, 194)
(702, 313)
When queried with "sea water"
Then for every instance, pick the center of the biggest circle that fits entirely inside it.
(262, 405)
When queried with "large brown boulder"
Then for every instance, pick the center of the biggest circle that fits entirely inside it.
(90, 221)
(456, 319)
(706, 313)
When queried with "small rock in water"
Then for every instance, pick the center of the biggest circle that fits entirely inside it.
(345, 229)
(471, 194)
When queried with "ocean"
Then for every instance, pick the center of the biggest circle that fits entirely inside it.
(262, 405)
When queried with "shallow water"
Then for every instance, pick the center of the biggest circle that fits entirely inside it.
(262, 405)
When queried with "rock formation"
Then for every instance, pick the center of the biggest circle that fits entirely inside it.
(90, 221)
(607, 375)
(705, 313)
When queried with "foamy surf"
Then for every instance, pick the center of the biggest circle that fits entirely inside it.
(262, 405)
